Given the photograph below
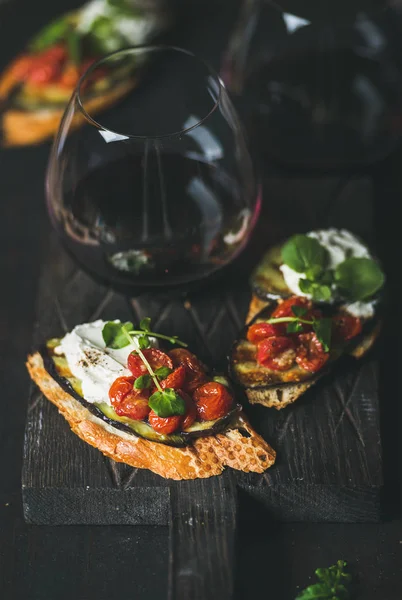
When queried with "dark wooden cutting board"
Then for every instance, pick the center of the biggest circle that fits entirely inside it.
(328, 443)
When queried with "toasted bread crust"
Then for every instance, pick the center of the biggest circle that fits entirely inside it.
(205, 458)
(21, 128)
(256, 306)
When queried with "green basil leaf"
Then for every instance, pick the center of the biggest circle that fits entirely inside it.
(116, 335)
(163, 372)
(143, 342)
(323, 330)
(143, 382)
(294, 327)
(167, 403)
(320, 293)
(299, 311)
(359, 278)
(145, 324)
(51, 34)
(306, 286)
(314, 273)
(302, 253)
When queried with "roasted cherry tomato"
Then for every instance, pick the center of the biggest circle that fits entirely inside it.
(310, 354)
(345, 326)
(165, 425)
(284, 309)
(134, 405)
(261, 331)
(191, 410)
(276, 353)
(120, 388)
(175, 380)
(213, 400)
(195, 370)
(155, 357)
(127, 401)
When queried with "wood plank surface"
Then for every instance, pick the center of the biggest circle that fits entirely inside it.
(328, 443)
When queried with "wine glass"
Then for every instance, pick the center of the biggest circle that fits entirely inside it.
(321, 81)
(160, 190)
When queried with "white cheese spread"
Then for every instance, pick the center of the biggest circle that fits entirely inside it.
(340, 244)
(90, 361)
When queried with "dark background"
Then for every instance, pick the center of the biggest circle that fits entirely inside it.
(274, 560)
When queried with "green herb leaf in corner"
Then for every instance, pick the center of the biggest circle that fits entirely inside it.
(359, 278)
(167, 403)
(116, 334)
(145, 324)
(323, 330)
(143, 382)
(331, 586)
(302, 254)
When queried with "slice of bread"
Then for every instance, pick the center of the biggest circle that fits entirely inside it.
(240, 448)
(280, 396)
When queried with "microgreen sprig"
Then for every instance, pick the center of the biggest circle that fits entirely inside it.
(164, 402)
(322, 327)
(333, 584)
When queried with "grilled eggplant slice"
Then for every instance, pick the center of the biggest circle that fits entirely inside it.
(280, 388)
(267, 281)
(57, 367)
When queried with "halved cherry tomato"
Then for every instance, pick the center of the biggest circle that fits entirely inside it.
(175, 379)
(345, 326)
(195, 370)
(284, 308)
(120, 388)
(134, 405)
(191, 409)
(261, 331)
(164, 425)
(213, 400)
(276, 353)
(127, 401)
(310, 354)
(155, 357)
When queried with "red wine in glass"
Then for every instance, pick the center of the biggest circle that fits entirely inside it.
(167, 203)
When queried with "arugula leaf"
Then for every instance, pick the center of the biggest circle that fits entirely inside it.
(163, 372)
(116, 335)
(299, 311)
(144, 342)
(143, 382)
(145, 324)
(323, 330)
(359, 278)
(167, 403)
(331, 584)
(302, 253)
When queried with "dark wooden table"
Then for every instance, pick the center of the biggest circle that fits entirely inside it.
(274, 560)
